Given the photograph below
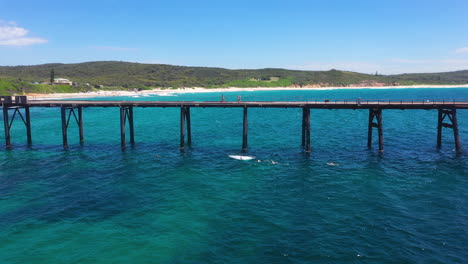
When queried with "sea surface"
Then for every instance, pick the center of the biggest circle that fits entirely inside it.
(342, 203)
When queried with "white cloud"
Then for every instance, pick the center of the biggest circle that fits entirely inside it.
(11, 23)
(462, 50)
(112, 48)
(22, 41)
(9, 32)
(12, 35)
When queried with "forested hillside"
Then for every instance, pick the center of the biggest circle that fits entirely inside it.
(126, 75)
(456, 77)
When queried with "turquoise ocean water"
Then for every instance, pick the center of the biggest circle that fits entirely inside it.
(152, 204)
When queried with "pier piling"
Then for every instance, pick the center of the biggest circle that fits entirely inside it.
(6, 122)
(63, 113)
(451, 115)
(439, 127)
(303, 127)
(80, 124)
(126, 113)
(182, 128)
(122, 128)
(377, 115)
(130, 124)
(28, 125)
(66, 114)
(245, 130)
(189, 126)
(306, 129)
(185, 126)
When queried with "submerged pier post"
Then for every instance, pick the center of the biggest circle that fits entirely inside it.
(377, 115)
(63, 113)
(245, 130)
(451, 115)
(6, 122)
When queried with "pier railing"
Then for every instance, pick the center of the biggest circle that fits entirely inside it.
(19, 99)
(386, 101)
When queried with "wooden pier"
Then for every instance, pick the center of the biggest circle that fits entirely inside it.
(72, 110)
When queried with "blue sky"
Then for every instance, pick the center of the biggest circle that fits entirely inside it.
(390, 36)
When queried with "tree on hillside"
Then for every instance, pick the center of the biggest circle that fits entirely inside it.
(52, 76)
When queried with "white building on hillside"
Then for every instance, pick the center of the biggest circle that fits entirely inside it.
(62, 81)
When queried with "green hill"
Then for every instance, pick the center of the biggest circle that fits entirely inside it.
(126, 75)
(9, 87)
(456, 77)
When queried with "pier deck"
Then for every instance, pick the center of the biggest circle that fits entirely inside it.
(331, 104)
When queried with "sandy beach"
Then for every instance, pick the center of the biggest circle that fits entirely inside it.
(168, 92)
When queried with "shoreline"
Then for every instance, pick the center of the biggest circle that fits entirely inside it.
(169, 92)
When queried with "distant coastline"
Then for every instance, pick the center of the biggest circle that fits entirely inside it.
(166, 92)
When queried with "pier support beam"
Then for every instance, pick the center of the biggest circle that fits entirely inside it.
(185, 125)
(130, 124)
(189, 126)
(126, 113)
(182, 128)
(28, 125)
(377, 115)
(66, 114)
(306, 129)
(7, 122)
(80, 124)
(451, 115)
(303, 127)
(63, 115)
(245, 130)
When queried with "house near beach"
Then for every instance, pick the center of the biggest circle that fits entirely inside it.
(62, 81)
